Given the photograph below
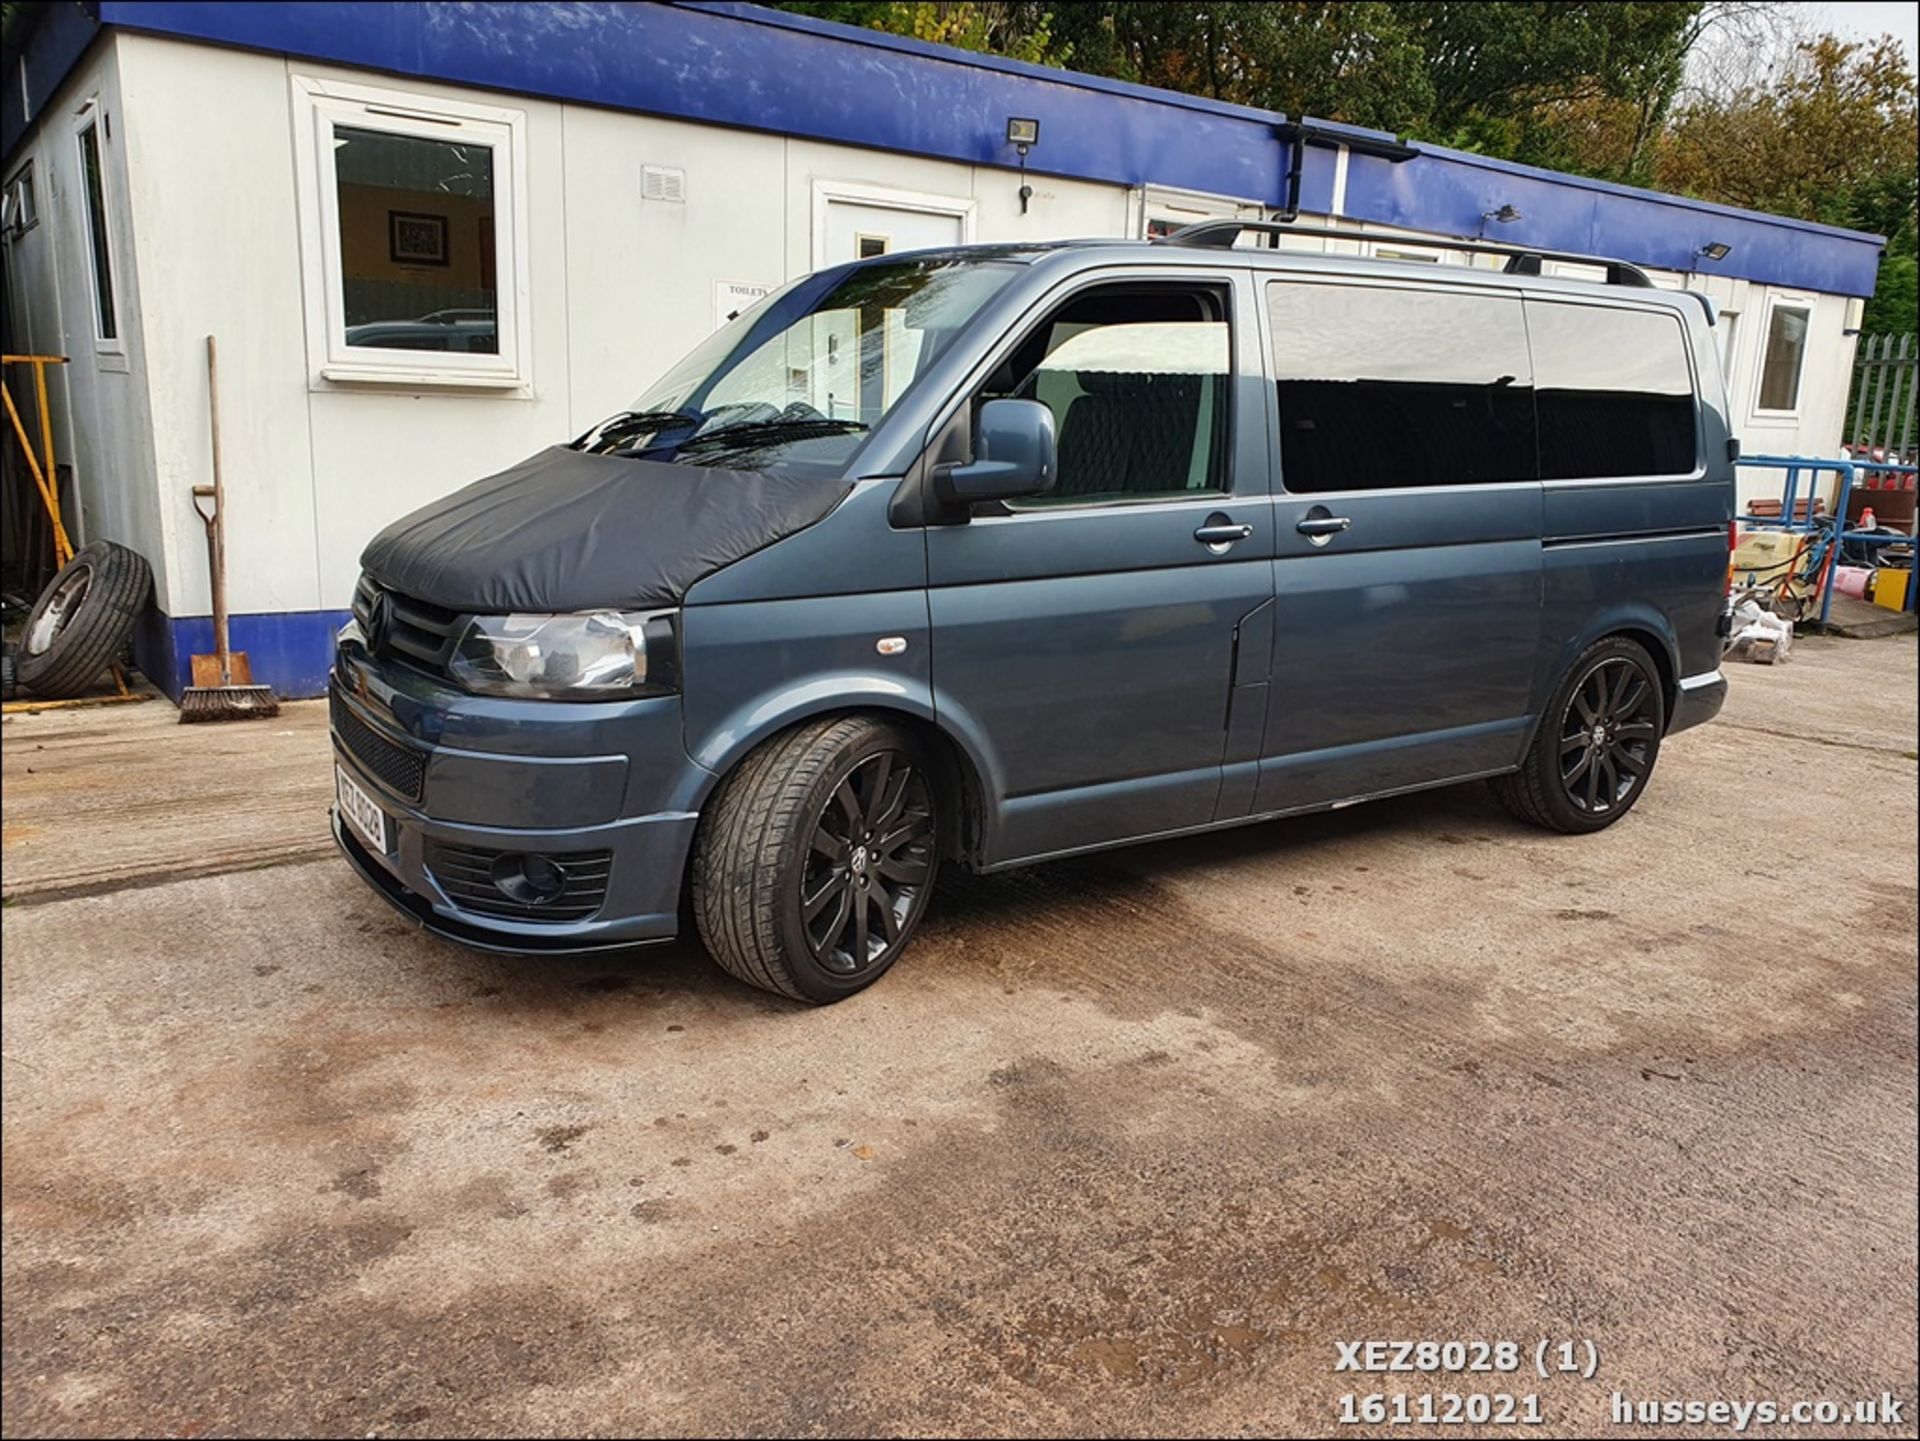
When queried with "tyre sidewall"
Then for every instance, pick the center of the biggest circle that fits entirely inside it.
(815, 980)
(99, 628)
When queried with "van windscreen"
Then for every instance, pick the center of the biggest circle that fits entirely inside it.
(799, 380)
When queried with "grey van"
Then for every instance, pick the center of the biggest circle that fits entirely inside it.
(997, 554)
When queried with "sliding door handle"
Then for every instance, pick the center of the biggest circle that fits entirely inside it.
(1219, 532)
(1321, 526)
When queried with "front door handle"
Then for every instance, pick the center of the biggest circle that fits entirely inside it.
(1322, 526)
(1219, 532)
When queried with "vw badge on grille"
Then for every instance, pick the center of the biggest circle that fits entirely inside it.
(379, 621)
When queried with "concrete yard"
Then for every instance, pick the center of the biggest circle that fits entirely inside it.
(1124, 1145)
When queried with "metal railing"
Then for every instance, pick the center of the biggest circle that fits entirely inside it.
(1886, 390)
(1817, 523)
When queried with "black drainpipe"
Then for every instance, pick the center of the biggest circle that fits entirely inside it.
(1299, 134)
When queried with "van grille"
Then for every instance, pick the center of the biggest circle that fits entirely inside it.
(401, 769)
(418, 633)
(465, 873)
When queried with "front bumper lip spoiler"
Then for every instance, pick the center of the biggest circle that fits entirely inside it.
(420, 911)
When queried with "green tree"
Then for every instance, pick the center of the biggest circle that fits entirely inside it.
(1833, 138)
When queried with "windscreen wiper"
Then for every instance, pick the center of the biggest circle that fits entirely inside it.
(771, 432)
(632, 422)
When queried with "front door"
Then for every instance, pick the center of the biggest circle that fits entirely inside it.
(1087, 639)
(1407, 517)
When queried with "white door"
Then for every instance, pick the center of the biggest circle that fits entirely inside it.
(870, 357)
(855, 231)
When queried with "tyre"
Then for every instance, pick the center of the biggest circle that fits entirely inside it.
(815, 861)
(1595, 748)
(82, 619)
(7, 685)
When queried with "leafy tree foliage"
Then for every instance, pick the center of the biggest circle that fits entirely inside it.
(1832, 138)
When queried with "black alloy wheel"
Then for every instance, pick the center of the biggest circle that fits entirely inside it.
(816, 859)
(870, 860)
(1608, 736)
(1594, 750)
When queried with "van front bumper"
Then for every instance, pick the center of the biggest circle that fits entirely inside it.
(606, 789)
(412, 890)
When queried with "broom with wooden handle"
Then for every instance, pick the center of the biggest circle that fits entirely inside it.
(222, 686)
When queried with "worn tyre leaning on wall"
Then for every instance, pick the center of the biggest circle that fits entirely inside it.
(82, 619)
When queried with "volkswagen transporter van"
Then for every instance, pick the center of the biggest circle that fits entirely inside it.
(984, 556)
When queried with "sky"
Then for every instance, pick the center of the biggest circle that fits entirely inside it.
(1866, 19)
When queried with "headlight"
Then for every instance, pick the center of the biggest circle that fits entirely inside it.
(599, 655)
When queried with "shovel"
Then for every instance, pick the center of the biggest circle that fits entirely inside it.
(223, 687)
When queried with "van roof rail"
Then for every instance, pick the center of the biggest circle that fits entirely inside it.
(1521, 259)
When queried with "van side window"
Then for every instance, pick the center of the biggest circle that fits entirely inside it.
(1383, 387)
(1614, 389)
(1137, 380)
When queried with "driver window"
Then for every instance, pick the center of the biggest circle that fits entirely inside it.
(1137, 380)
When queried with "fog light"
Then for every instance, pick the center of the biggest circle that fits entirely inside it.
(529, 879)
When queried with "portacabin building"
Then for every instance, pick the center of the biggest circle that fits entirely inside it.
(432, 238)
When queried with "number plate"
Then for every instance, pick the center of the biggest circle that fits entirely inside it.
(360, 811)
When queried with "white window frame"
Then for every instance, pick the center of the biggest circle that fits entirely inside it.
(22, 194)
(322, 105)
(111, 354)
(1775, 301)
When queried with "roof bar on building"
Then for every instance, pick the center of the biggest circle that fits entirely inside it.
(1521, 259)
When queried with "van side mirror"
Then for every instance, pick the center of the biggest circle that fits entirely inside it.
(1012, 456)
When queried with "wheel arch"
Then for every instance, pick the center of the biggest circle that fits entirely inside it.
(960, 764)
(1641, 624)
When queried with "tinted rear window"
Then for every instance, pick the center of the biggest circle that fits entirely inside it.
(1614, 390)
(1382, 388)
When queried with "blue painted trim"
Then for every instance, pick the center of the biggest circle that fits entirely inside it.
(738, 65)
(47, 45)
(1052, 74)
(291, 651)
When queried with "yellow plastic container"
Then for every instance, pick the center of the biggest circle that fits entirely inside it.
(1764, 555)
(1890, 588)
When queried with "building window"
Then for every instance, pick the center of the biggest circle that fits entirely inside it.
(416, 219)
(22, 204)
(1786, 353)
(106, 321)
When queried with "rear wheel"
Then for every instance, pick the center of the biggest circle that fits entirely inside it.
(816, 861)
(1595, 749)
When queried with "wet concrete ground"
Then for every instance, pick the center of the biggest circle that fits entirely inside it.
(1126, 1145)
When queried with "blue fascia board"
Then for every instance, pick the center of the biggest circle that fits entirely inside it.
(49, 44)
(1450, 194)
(746, 67)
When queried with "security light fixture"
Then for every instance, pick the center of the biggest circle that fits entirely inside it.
(1023, 135)
(1505, 215)
(1714, 250)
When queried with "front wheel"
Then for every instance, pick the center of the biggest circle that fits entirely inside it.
(814, 865)
(1595, 749)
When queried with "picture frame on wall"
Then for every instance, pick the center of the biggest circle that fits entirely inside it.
(414, 238)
